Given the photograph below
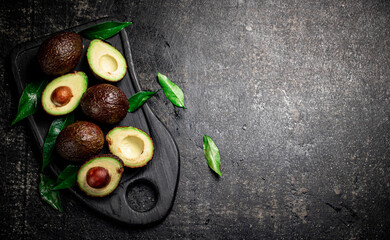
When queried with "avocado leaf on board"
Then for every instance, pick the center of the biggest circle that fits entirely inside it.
(104, 30)
(31, 96)
(55, 128)
(138, 99)
(67, 177)
(52, 197)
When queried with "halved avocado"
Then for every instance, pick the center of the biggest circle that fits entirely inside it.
(132, 145)
(62, 95)
(79, 141)
(105, 61)
(100, 175)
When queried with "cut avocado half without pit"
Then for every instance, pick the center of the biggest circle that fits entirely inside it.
(101, 175)
(62, 95)
(132, 145)
(105, 61)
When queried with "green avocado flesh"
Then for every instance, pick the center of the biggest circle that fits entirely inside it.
(60, 53)
(114, 167)
(79, 141)
(132, 145)
(76, 82)
(105, 61)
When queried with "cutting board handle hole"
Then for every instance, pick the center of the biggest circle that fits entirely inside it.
(142, 195)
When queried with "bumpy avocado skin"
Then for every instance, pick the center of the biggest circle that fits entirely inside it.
(82, 180)
(105, 103)
(79, 141)
(60, 53)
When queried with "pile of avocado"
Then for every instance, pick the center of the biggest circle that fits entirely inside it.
(104, 103)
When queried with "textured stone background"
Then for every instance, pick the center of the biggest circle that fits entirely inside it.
(295, 94)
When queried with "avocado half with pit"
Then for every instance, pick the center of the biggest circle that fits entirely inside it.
(100, 175)
(132, 145)
(105, 61)
(62, 95)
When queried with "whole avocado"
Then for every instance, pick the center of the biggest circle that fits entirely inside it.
(79, 141)
(60, 53)
(105, 103)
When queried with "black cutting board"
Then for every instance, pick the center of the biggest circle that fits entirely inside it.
(160, 174)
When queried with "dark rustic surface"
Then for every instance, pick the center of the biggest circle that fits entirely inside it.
(294, 93)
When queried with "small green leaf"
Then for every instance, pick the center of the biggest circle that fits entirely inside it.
(172, 91)
(31, 96)
(138, 99)
(56, 126)
(52, 197)
(104, 30)
(67, 177)
(211, 153)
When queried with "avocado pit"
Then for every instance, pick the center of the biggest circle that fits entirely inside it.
(61, 96)
(98, 177)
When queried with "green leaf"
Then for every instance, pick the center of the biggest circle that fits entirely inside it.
(31, 96)
(211, 153)
(52, 197)
(104, 30)
(56, 126)
(138, 99)
(67, 177)
(172, 91)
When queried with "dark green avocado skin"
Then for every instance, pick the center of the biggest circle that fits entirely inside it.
(60, 53)
(79, 141)
(105, 103)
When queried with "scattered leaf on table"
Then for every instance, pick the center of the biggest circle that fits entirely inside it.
(211, 153)
(172, 91)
